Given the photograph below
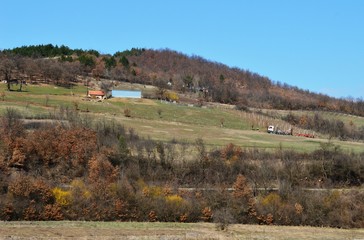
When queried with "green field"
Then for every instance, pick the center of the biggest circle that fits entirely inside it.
(166, 121)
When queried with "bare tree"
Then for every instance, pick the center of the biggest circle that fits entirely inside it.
(31, 68)
(7, 66)
(106, 86)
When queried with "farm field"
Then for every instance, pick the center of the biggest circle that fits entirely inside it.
(346, 118)
(134, 230)
(164, 121)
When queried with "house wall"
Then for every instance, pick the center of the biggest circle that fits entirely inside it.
(126, 94)
(96, 96)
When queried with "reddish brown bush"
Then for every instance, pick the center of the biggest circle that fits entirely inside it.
(52, 212)
(206, 214)
(152, 216)
(100, 169)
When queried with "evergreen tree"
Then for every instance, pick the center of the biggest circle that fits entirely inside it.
(124, 61)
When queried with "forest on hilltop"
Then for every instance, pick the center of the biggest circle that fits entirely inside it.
(218, 82)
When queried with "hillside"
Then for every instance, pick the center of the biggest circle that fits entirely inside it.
(177, 155)
(166, 121)
(215, 81)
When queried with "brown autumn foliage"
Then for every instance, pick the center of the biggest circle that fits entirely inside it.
(76, 172)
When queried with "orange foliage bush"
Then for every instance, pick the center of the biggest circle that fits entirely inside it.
(243, 202)
(52, 212)
(266, 219)
(183, 217)
(99, 168)
(8, 212)
(121, 210)
(231, 153)
(207, 214)
(152, 216)
(241, 189)
(30, 189)
(18, 156)
(75, 146)
(30, 213)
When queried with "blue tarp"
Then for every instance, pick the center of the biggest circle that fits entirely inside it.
(126, 94)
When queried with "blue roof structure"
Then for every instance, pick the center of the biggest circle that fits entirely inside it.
(126, 94)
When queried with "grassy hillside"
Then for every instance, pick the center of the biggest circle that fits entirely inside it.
(191, 74)
(160, 120)
(346, 118)
(197, 160)
(93, 167)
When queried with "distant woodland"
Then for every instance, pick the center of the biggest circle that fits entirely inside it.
(169, 69)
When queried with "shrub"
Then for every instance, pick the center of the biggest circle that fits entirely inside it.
(223, 218)
(152, 192)
(171, 96)
(52, 212)
(159, 111)
(63, 198)
(152, 216)
(2, 96)
(174, 200)
(127, 112)
(206, 214)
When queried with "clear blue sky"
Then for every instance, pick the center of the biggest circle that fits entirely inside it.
(313, 44)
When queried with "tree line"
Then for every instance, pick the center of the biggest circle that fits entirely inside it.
(78, 169)
(332, 127)
(48, 51)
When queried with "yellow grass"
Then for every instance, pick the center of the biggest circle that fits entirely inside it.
(133, 230)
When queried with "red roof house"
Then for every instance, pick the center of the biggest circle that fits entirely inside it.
(96, 94)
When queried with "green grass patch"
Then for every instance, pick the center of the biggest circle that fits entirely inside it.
(165, 121)
(46, 90)
(169, 112)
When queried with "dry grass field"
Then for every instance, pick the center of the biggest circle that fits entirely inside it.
(133, 230)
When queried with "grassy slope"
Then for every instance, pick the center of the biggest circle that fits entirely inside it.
(174, 122)
(346, 118)
(133, 230)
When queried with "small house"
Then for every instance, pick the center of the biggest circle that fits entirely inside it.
(96, 94)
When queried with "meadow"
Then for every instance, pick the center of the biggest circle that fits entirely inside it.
(166, 121)
(157, 230)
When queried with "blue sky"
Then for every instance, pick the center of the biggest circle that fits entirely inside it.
(313, 44)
